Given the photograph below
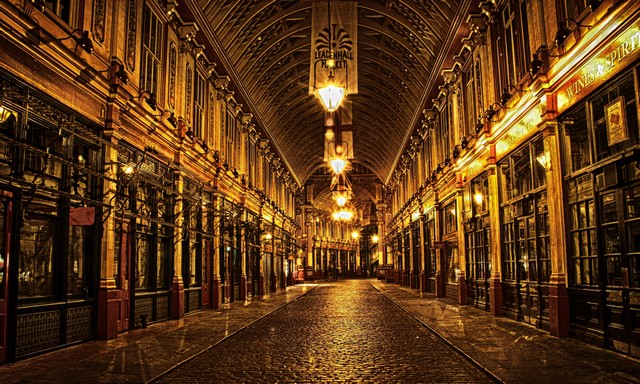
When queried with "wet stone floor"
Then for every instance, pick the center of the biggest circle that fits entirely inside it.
(345, 332)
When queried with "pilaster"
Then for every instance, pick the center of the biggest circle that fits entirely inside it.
(558, 298)
(495, 284)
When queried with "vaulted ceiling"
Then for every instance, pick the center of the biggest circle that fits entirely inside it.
(265, 46)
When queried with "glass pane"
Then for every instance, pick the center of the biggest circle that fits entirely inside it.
(633, 233)
(76, 267)
(588, 272)
(614, 272)
(453, 265)
(540, 164)
(521, 172)
(611, 239)
(609, 208)
(635, 271)
(632, 202)
(506, 191)
(36, 273)
(142, 261)
(162, 256)
(576, 141)
(576, 243)
(583, 245)
(623, 91)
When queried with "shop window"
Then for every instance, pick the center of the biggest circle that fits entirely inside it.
(582, 232)
(429, 236)
(525, 221)
(152, 45)
(163, 256)
(543, 236)
(118, 259)
(615, 119)
(632, 215)
(192, 244)
(540, 165)
(78, 238)
(49, 142)
(477, 233)
(450, 222)
(521, 172)
(142, 261)
(8, 122)
(576, 140)
(452, 262)
(38, 241)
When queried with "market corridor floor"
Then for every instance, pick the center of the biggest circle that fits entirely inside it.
(343, 332)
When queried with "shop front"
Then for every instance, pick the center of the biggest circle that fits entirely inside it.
(602, 182)
(478, 242)
(50, 222)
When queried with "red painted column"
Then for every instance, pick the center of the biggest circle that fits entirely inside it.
(216, 292)
(109, 302)
(177, 298)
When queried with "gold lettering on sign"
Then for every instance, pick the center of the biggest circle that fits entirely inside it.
(624, 46)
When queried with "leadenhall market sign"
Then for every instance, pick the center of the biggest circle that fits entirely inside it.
(601, 67)
(341, 50)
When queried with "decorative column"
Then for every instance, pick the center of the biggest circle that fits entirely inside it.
(412, 272)
(177, 285)
(462, 254)
(243, 261)
(310, 269)
(424, 283)
(216, 285)
(110, 300)
(495, 284)
(558, 298)
(440, 279)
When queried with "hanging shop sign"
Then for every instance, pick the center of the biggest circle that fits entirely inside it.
(610, 60)
(82, 216)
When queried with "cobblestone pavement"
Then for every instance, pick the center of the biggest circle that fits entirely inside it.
(140, 355)
(343, 332)
(514, 351)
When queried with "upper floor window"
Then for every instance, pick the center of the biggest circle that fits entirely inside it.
(445, 130)
(199, 99)
(512, 45)
(572, 8)
(470, 98)
(252, 148)
(229, 137)
(62, 8)
(152, 33)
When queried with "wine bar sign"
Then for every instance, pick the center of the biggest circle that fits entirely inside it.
(602, 66)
